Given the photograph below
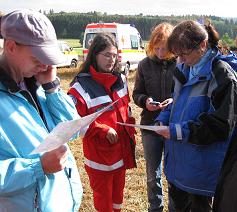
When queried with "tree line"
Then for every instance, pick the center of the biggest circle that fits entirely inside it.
(72, 25)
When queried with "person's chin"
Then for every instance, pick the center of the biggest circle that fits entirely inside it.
(161, 57)
(29, 75)
(108, 69)
(189, 64)
(35, 74)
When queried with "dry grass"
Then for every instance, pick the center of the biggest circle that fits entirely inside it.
(135, 195)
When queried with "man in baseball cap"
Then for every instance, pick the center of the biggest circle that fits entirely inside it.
(31, 105)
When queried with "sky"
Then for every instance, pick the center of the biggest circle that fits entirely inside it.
(222, 8)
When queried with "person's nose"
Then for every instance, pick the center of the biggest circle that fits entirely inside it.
(109, 58)
(112, 59)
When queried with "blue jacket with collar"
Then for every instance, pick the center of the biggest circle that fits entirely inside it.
(201, 121)
(23, 184)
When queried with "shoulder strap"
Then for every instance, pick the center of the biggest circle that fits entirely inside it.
(180, 76)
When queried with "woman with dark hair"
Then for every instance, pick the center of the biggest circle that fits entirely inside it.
(201, 118)
(154, 80)
(108, 147)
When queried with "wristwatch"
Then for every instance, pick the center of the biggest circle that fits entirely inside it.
(50, 85)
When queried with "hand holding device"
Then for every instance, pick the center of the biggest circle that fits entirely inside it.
(152, 105)
(155, 103)
(165, 103)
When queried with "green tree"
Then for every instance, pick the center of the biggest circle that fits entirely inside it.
(227, 41)
(72, 25)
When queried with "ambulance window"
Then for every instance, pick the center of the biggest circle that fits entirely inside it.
(141, 43)
(90, 37)
(134, 41)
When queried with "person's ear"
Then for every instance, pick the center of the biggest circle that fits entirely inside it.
(203, 45)
(10, 46)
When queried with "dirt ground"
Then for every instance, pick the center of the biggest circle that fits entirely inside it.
(135, 195)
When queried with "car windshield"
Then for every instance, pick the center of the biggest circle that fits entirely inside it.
(89, 39)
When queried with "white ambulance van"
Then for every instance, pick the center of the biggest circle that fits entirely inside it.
(131, 49)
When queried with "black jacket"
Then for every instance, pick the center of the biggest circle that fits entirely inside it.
(226, 196)
(154, 79)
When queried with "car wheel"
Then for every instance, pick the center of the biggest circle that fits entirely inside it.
(73, 64)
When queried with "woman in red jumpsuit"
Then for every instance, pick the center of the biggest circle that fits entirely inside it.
(108, 147)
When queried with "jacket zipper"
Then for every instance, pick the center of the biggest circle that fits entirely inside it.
(36, 202)
(68, 172)
(163, 72)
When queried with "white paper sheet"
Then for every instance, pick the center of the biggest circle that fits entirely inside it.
(62, 133)
(146, 127)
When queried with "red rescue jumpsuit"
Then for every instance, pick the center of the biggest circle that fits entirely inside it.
(105, 163)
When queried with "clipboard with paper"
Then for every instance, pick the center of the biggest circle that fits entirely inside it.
(64, 131)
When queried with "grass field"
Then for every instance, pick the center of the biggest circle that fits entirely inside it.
(135, 195)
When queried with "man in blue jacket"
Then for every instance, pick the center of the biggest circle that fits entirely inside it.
(31, 105)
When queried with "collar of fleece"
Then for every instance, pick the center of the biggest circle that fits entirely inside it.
(105, 79)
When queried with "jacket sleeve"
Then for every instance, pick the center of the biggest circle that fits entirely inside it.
(61, 107)
(164, 115)
(215, 126)
(139, 93)
(16, 174)
(95, 128)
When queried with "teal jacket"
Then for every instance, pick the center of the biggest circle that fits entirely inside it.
(23, 184)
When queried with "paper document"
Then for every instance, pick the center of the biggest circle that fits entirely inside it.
(62, 133)
(146, 127)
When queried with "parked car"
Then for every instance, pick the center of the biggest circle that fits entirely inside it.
(70, 54)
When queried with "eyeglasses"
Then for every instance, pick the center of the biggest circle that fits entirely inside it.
(183, 54)
(109, 55)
